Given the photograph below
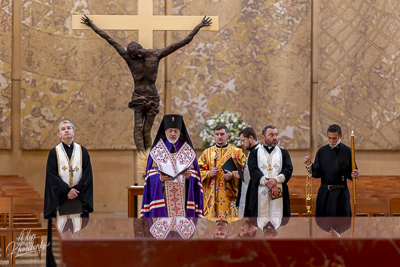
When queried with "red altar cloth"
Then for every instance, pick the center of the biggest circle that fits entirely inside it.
(367, 241)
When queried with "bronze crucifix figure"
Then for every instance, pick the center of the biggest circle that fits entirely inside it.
(143, 64)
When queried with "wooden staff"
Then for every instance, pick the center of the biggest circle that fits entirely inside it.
(353, 166)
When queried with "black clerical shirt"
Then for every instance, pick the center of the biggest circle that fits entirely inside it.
(68, 149)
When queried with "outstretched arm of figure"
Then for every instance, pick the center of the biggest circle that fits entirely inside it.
(205, 22)
(88, 22)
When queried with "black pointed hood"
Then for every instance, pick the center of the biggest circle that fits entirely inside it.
(172, 121)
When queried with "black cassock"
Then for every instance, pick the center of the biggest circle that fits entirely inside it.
(333, 166)
(56, 190)
(251, 208)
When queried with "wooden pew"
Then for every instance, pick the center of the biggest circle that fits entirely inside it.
(23, 205)
(6, 229)
(298, 207)
(395, 206)
(373, 186)
(11, 187)
(372, 207)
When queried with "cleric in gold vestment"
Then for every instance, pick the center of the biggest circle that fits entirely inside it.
(220, 187)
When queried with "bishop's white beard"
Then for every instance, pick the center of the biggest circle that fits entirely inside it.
(335, 145)
(172, 141)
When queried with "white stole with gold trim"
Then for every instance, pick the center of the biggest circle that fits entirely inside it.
(270, 165)
(70, 171)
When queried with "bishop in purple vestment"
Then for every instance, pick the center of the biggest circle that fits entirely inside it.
(173, 186)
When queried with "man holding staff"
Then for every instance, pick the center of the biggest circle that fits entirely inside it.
(333, 164)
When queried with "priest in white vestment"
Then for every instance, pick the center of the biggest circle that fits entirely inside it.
(270, 170)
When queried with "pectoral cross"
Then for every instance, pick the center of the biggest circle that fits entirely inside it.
(71, 170)
(269, 169)
(144, 22)
(71, 176)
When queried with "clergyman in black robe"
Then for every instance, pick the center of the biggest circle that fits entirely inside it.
(57, 191)
(270, 143)
(333, 165)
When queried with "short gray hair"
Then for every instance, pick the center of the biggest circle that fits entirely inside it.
(63, 122)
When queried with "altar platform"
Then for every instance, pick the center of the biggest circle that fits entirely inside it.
(299, 241)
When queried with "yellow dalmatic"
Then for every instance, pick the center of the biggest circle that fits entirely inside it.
(219, 195)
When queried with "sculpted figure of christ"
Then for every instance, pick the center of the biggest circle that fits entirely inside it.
(143, 64)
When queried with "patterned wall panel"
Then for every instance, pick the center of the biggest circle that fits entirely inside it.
(76, 75)
(359, 71)
(5, 73)
(258, 64)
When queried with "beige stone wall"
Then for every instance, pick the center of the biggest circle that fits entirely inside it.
(260, 55)
(72, 74)
(258, 64)
(358, 71)
(58, 73)
(5, 74)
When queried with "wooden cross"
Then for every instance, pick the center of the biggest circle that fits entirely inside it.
(144, 22)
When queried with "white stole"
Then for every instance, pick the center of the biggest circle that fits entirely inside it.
(266, 207)
(172, 164)
(245, 184)
(67, 166)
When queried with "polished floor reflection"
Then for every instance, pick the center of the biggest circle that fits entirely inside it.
(285, 242)
(319, 239)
